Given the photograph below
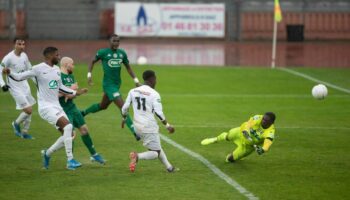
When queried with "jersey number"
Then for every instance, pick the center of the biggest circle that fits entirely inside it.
(141, 101)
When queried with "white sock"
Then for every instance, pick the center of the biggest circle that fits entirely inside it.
(56, 146)
(67, 135)
(23, 116)
(164, 160)
(148, 155)
(26, 124)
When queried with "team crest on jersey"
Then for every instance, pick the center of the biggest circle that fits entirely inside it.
(121, 55)
(53, 84)
(115, 55)
(109, 55)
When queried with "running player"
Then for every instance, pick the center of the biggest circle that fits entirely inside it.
(257, 133)
(146, 103)
(49, 84)
(112, 59)
(74, 115)
(17, 60)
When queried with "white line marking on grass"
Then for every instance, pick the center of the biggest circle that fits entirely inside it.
(315, 80)
(212, 167)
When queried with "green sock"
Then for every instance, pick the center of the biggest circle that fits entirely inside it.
(129, 124)
(88, 143)
(222, 136)
(93, 108)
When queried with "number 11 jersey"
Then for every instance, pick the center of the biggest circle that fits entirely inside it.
(146, 103)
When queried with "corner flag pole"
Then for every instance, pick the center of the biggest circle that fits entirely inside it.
(274, 38)
(277, 18)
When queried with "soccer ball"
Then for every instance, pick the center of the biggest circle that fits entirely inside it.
(142, 60)
(319, 91)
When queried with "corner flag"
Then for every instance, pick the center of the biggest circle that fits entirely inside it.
(278, 13)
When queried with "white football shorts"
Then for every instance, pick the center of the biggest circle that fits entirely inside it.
(52, 114)
(23, 101)
(151, 141)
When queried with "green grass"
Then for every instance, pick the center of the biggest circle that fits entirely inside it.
(309, 159)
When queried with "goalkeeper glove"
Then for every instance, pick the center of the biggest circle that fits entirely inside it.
(260, 150)
(5, 88)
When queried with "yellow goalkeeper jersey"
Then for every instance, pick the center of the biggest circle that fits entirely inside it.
(256, 132)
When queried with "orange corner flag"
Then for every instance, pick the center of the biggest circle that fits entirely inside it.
(278, 13)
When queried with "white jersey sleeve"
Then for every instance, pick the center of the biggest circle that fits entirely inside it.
(2, 82)
(157, 107)
(5, 61)
(3, 64)
(66, 90)
(127, 104)
(22, 76)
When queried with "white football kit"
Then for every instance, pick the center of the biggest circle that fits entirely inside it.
(19, 90)
(49, 84)
(146, 103)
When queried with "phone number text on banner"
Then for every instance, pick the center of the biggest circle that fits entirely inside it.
(169, 20)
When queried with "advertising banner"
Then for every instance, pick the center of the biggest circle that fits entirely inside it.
(133, 19)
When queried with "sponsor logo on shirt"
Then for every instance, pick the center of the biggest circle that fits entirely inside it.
(115, 62)
(53, 84)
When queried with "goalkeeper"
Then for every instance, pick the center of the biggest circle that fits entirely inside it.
(255, 134)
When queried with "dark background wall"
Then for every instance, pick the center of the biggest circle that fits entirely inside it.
(245, 19)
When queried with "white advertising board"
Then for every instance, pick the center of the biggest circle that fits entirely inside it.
(133, 19)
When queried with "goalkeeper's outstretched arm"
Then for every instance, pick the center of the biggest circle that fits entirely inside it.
(267, 144)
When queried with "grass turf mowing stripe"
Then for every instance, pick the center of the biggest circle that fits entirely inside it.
(212, 167)
(315, 80)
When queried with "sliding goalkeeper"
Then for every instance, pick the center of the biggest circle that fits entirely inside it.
(255, 134)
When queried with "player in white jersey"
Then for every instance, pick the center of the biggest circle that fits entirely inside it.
(49, 84)
(18, 62)
(146, 103)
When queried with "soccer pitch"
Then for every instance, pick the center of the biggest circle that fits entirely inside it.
(308, 160)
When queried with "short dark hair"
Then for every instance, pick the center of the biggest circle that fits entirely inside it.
(49, 50)
(271, 115)
(148, 74)
(18, 38)
(113, 35)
